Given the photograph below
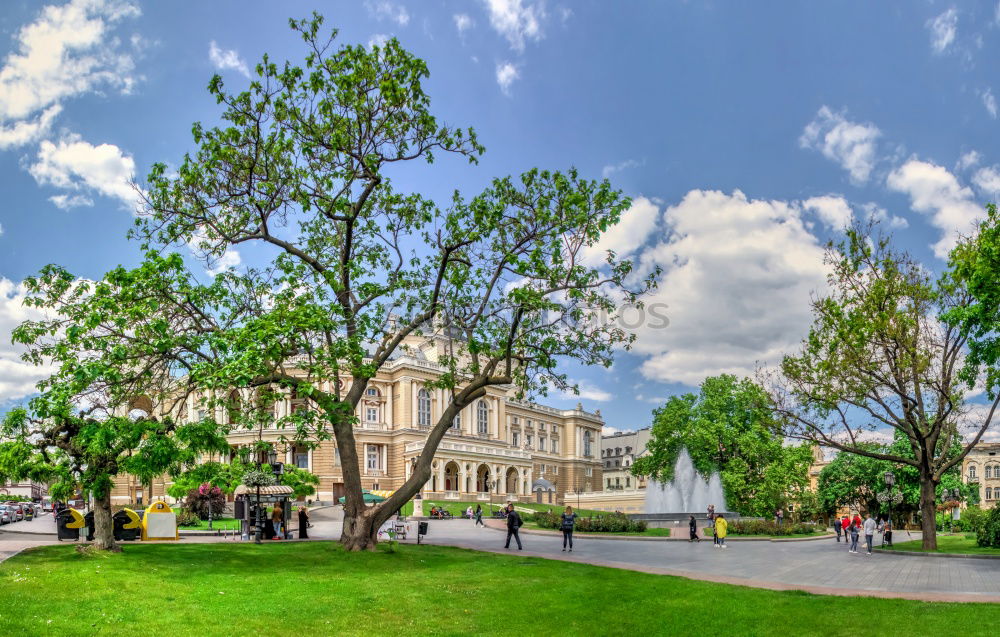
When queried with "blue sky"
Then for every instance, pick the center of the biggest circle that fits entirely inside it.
(747, 133)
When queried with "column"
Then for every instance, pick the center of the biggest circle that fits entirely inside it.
(388, 416)
(528, 480)
(463, 474)
(440, 475)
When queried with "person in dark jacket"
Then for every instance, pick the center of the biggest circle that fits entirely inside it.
(568, 522)
(837, 527)
(693, 527)
(303, 523)
(513, 524)
(479, 515)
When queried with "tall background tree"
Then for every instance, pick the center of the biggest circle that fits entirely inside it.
(728, 427)
(879, 357)
(513, 278)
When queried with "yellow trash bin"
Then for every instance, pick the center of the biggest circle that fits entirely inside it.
(160, 522)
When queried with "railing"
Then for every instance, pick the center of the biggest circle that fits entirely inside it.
(517, 454)
(374, 426)
(375, 473)
(451, 495)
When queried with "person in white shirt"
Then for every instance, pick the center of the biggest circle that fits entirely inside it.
(869, 527)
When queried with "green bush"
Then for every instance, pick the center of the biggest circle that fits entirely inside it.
(972, 519)
(770, 527)
(187, 518)
(610, 523)
(988, 534)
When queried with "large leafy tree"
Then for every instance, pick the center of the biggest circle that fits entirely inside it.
(728, 427)
(878, 356)
(512, 279)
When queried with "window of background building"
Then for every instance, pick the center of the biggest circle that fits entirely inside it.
(371, 391)
(482, 417)
(373, 455)
(586, 443)
(301, 458)
(527, 439)
(336, 457)
(989, 472)
(515, 439)
(589, 472)
(423, 408)
(541, 443)
(972, 471)
(371, 414)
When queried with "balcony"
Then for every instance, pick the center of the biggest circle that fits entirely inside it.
(374, 473)
(466, 447)
(374, 426)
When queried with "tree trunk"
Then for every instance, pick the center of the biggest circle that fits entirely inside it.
(360, 532)
(104, 530)
(928, 512)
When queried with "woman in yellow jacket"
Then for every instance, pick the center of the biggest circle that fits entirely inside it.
(720, 529)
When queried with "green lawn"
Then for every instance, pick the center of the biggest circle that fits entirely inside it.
(316, 588)
(962, 543)
(217, 524)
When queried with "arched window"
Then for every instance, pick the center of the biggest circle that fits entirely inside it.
(371, 391)
(989, 471)
(586, 443)
(482, 418)
(972, 471)
(423, 408)
(989, 493)
(457, 423)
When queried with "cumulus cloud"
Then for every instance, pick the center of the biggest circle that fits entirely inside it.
(936, 192)
(611, 169)
(968, 160)
(463, 22)
(943, 29)
(832, 210)
(850, 144)
(67, 51)
(987, 180)
(386, 10)
(17, 378)
(989, 102)
(506, 74)
(737, 276)
(516, 21)
(587, 392)
(379, 40)
(83, 169)
(637, 223)
(227, 59)
(880, 214)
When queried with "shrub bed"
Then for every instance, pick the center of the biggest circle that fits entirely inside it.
(610, 523)
(770, 527)
(988, 533)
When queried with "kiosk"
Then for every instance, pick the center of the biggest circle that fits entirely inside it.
(250, 508)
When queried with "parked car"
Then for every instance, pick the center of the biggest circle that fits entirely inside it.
(6, 514)
(16, 513)
(47, 506)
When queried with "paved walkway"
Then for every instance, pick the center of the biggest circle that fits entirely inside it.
(821, 566)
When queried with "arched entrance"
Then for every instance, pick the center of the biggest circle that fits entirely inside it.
(511, 480)
(483, 479)
(451, 476)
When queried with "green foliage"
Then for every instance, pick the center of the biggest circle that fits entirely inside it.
(770, 527)
(728, 427)
(988, 533)
(258, 478)
(186, 517)
(973, 519)
(610, 523)
(301, 481)
(205, 498)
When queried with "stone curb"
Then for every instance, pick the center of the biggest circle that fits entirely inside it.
(640, 538)
(967, 556)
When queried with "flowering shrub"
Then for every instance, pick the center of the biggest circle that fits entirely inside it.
(206, 497)
(258, 478)
(770, 527)
(610, 523)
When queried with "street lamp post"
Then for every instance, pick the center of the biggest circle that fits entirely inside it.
(890, 480)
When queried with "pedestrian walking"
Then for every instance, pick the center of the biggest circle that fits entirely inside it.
(887, 532)
(568, 522)
(711, 520)
(837, 527)
(869, 528)
(693, 527)
(513, 524)
(277, 517)
(721, 528)
(479, 515)
(303, 523)
(855, 530)
(845, 524)
(780, 516)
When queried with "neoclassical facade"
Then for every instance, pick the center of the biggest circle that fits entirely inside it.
(982, 466)
(498, 448)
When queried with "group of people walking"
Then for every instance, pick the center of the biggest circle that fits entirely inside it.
(720, 528)
(567, 523)
(853, 528)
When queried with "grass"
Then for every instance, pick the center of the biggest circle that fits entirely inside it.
(225, 589)
(961, 543)
(217, 524)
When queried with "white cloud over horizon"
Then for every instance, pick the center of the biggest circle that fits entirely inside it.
(17, 378)
(850, 144)
(82, 169)
(517, 21)
(227, 59)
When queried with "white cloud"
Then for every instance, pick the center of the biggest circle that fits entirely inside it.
(24, 131)
(227, 59)
(627, 236)
(386, 10)
(968, 160)
(230, 259)
(611, 169)
(587, 392)
(83, 169)
(737, 277)
(516, 21)
(989, 102)
(67, 51)
(936, 192)
(463, 22)
(987, 180)
(608, 430)
(506, 74)
(17, 378)
(379, 40)
(880, 214)
(850, 144)
(943, 29)
(832, 210)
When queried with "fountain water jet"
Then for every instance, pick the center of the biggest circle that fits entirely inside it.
(688, 492)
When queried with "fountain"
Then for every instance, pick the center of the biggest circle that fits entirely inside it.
(689, 493)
